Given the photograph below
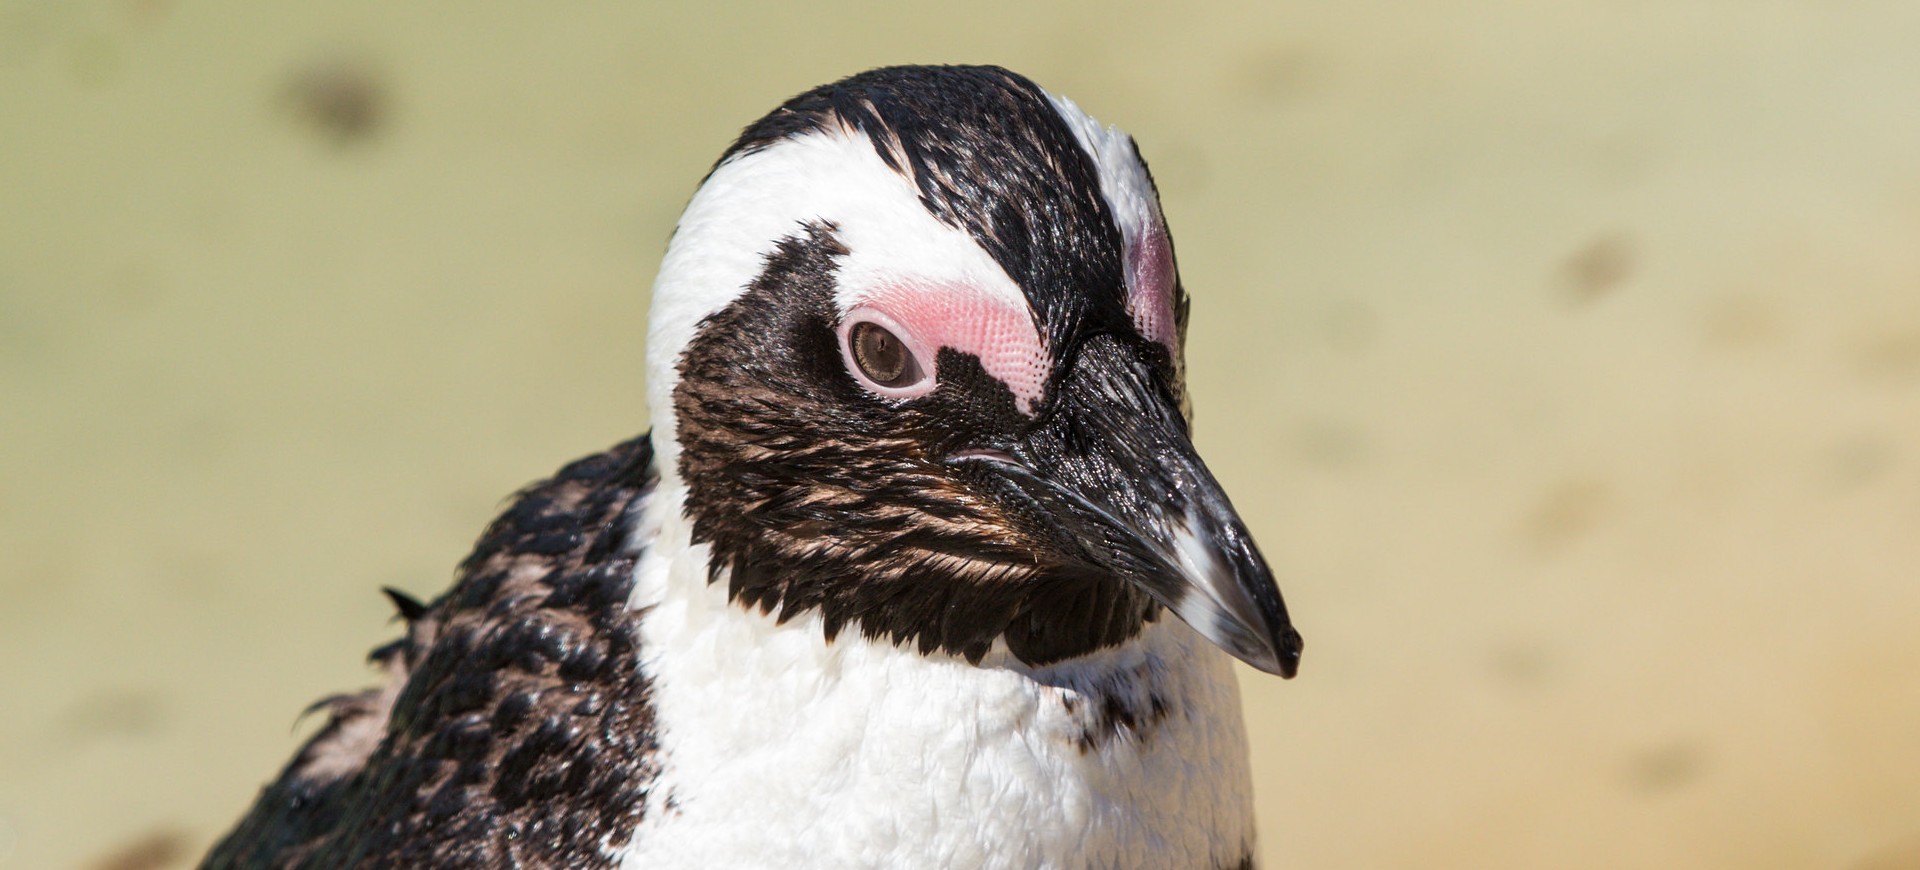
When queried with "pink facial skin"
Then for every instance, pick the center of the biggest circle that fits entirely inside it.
(1150, 286)
(927, 318)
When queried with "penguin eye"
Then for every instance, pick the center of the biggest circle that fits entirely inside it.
(882, 357)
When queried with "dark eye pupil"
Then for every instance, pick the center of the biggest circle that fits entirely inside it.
(880, 354)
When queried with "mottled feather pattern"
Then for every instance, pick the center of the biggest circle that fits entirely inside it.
(515, 727)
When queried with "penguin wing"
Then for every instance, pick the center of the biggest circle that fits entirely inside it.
(515, 727)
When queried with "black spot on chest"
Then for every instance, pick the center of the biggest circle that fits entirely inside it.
(1129, 704)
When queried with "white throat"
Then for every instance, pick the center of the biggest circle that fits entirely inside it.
(781, 749)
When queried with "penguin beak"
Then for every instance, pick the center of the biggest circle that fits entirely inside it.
(1111, 468)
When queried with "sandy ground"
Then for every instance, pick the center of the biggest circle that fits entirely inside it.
(1564, 356)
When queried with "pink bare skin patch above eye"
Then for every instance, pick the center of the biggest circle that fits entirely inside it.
(1150, 285)
(999, 333)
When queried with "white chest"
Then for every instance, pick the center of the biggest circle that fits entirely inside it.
(783, 750)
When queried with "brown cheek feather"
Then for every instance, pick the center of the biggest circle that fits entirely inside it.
(817, 497)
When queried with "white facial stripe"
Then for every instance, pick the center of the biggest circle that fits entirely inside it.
(755, 200)
(1129, 195)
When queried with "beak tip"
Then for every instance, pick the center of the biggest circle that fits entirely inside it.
(1290, 645)
(1279, 656)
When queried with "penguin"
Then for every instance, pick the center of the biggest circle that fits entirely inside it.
(917, 567)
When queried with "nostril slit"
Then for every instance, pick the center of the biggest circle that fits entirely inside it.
(986, 454)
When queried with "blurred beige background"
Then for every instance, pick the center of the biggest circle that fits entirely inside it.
(1565, 357)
